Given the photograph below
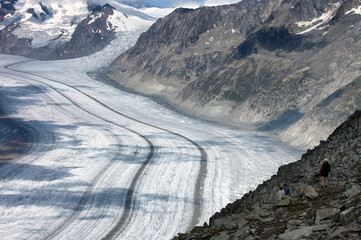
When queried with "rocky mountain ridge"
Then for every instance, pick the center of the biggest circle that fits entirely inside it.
(283, 66)
(310, 212)
(50, 30)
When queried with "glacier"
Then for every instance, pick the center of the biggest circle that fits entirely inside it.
(108, 164)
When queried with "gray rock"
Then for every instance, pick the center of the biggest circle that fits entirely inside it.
(226, 222)
(219, 222)
(242, 222)
(320, 228)
(249, 238)
(355, 189)
(325, 213)
(293, 224)
(310, 192)
(222, 236)
(347, 211)
(273, 237)
(269, 219)
(296, 234)
(284, 202)
(337, 233)
(238, 234)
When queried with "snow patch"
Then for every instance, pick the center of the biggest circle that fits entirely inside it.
(320, 20)
(95, 16)
(355, 11)
(96, 31)
(157, 12)
(317, 23)
(122, 22)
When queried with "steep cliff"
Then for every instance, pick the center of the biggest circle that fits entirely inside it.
(274, 63)
(310, 212)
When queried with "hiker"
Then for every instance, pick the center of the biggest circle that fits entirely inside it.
(325, 169)
(286, 189)
(280, 193)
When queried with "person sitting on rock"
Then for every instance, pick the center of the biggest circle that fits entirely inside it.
(280, 193)
(286, 189)
(325, 169)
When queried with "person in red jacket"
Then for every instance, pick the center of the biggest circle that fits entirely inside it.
(325, 169)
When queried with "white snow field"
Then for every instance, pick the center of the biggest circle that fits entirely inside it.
(107, 164)
(52, 23)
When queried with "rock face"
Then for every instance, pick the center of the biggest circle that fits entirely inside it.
(311, 212)
(90, 36)
(6, 7)
(291, 67)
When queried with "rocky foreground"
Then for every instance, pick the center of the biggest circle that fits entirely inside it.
(310, 212)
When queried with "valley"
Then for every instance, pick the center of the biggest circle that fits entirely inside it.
(107, 163)
(144, 119)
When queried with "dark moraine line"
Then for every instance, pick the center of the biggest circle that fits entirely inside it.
(203, 154)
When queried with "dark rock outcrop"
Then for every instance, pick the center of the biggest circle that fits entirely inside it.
(10, 43)
(6, 7)
(252, 62)
(310, 212)
(88, 38)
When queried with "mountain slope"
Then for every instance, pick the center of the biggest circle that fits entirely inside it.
(52, 30)
(309, 212)
(270, 63)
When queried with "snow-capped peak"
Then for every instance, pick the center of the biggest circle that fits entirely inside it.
(51, 23)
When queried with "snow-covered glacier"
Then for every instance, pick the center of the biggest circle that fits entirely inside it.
(109, 164)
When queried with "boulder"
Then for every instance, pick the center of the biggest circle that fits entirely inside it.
(321, 228)
(310, 192)
(222, 236)
(355, 189)
(325, 213)
(296, 234)
(284, 202)
(294, 224)
(242, 222)
(226, 223)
